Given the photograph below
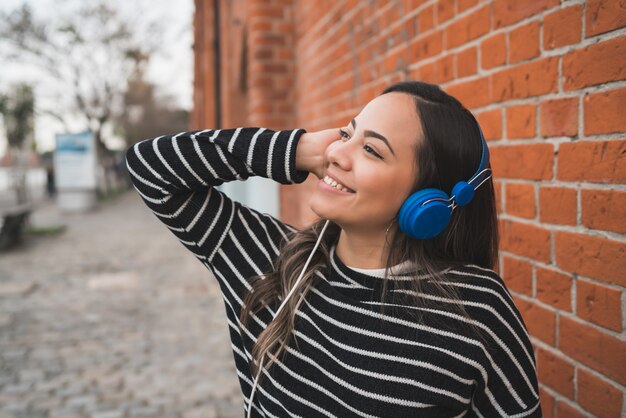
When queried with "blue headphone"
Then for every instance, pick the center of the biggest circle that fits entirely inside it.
(427, 212)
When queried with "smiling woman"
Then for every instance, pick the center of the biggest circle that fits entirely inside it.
(375, 157)
(388, 305)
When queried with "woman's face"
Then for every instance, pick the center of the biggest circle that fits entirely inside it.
(375, 158)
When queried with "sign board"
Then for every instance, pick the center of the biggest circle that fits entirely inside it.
(257, 192)
(75, 164)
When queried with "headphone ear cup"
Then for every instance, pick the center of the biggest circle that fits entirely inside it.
(463, 193)
(421, 221)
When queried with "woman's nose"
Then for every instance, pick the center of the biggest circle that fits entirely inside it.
(340, 154)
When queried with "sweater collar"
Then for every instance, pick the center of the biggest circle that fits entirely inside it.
(350, 278)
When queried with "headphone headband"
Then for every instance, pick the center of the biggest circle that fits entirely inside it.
(484, 171)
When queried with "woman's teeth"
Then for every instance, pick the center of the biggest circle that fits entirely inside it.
(336, 185)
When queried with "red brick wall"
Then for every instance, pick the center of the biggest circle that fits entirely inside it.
(203, 113)
(547, 81)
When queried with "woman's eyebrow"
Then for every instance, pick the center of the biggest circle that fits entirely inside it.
(373, 134)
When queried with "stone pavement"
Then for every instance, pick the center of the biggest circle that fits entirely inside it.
(112, 318)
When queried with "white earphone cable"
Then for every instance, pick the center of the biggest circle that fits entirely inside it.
(256, 379)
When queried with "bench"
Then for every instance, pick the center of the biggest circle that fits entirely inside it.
(13, 219)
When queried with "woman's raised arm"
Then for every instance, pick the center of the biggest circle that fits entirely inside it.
(174, 175)
(190, 161)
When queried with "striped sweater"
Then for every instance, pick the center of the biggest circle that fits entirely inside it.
(346, 358)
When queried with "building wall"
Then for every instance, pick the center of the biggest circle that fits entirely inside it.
(546, 80)
(203, 113)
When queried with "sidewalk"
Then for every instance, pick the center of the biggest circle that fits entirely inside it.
(112, 318)
(47, 214)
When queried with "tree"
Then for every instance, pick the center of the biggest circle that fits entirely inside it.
(145, 115)
(18, 109)
(90, 53)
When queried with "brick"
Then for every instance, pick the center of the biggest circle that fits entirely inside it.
(524, 42)
(445, 68)
(474, 93)
(594, 348)
(265, 11)
(518, 275)
(469, 27)
(604, 209)
(463, 5)
(410, 27)
(527, 161)
(414, 3)
(595, 64)
(554, 288)
(285, 54)
(564, 410)
(261, 25)
(604, 112)
(557, 205)
(493, 51)
(286, 28)
(595, 161)
(288, 211)
(559, 117)
(599, 258)
(466, 62)
(541, 322)
(426, 72)
(563, 27)
(603, 16)
(445, 10)
(520, 200)
(521, 121)
(526, 240)
(426, 19)
(426, 46)
(529, 79)
(490, 122)
(547, 403)
(599, 304)
(263, 54)
(556, 372)
(394, 61)
(596, 395)
(266, 39)
(507, 12)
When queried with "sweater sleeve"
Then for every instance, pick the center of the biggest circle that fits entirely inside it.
(175, 175)
(508, 385)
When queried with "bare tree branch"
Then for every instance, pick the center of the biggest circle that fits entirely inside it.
(90, 53)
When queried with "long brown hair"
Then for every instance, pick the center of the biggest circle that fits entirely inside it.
(449, 152)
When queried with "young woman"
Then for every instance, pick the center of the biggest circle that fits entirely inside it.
(388, 305)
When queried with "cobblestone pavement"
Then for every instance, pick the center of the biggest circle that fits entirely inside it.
(112, 318)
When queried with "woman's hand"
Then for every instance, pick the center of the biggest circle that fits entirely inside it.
(311, 149)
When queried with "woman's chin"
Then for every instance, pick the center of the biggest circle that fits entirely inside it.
(323, 214)
(323, 209)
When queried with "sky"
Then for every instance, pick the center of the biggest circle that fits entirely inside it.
(171, 70)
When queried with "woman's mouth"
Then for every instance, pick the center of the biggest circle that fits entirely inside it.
(327, 183)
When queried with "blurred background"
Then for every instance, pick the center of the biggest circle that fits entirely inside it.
(119, 71)
(103, 314)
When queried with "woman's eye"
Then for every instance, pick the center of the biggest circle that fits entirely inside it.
(345, 136)
(371, 151)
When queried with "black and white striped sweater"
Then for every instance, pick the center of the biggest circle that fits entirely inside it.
(344, 361)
